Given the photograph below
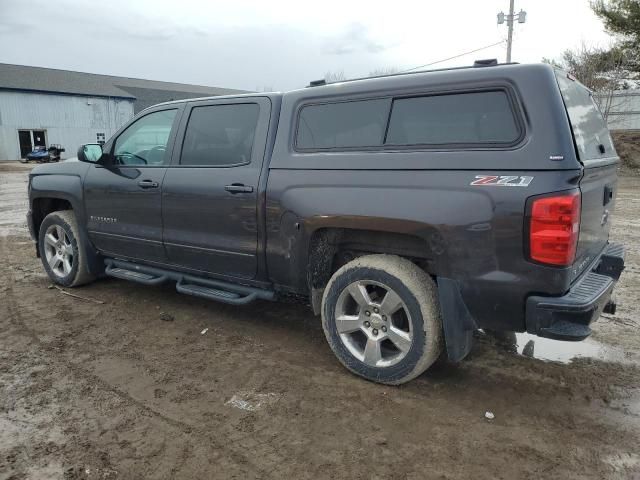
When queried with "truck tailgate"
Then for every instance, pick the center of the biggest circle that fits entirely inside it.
(597, 154)
(598, 187)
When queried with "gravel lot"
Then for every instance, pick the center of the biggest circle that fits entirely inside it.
(141, 382)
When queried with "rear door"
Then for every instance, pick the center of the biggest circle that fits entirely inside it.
(210, 193)
(599, 181)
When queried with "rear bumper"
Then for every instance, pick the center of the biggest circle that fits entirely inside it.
(568, 317)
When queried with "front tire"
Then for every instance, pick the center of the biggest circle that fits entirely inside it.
(381, 317)
(62, 254)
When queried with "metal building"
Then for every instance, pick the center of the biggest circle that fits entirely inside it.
(44, 106)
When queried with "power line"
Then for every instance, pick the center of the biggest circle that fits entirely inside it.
(451, 58)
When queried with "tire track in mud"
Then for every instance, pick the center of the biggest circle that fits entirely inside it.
(241, 450)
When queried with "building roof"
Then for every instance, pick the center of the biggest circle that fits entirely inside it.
(51, 80)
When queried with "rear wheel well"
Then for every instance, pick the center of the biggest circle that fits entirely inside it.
(42, 207)
(331, 248)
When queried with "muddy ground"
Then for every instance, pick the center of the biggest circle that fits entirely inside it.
(153, 384)
(627, 143)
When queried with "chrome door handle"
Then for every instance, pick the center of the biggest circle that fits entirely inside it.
(238, 188)
(148, 184)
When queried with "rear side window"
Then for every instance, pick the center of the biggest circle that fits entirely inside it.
(590, 131)
(458, 119)
(220, 135)
(462, 118)
(343, 125)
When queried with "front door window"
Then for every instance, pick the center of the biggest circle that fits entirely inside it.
(144, 142)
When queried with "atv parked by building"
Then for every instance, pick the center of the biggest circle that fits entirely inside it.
(42, 154)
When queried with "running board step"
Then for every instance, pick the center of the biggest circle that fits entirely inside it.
(135, 276)
(214, 293)
(191, 285)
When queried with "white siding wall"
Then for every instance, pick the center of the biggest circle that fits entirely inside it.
(68, 120)
(624, 111)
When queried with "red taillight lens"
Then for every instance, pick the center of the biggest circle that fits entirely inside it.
(554, 229)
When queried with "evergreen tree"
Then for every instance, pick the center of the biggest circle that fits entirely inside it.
(622, 18)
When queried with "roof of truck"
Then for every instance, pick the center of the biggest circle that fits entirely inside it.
(380, 82)
(438, 76)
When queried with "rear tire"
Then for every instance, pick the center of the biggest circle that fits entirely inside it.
(381, 317)
(61, 251)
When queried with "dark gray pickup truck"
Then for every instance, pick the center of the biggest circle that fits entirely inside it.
(409, 210)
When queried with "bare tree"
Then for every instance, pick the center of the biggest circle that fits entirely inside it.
(379, 72)
(333, 77)
(606, 72)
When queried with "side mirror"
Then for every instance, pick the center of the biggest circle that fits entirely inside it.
(91, 153)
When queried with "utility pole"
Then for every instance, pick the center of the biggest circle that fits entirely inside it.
(510, 27)
(509, 18)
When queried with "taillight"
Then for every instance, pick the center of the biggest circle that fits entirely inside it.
(554, 229)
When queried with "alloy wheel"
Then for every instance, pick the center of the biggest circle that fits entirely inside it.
(373, 323)
(58, 251)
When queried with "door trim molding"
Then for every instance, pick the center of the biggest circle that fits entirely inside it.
(126, 237)
(169, 244)
(212, 250)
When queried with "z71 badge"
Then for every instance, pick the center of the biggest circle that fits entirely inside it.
(502, 180)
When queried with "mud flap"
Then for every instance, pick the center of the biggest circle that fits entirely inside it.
(316, 300)
(95, 262)
(457, 322)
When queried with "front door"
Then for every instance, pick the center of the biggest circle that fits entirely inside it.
(210, 193)
(123, 196)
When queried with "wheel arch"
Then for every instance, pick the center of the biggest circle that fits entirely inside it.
(53, 192)
(43, 201)
(329, 248)
(43, 206)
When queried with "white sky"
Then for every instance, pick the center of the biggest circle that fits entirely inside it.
(279, 44)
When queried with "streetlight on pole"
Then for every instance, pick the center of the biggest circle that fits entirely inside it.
(509, 18)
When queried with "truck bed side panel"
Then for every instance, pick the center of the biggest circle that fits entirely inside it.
(471, 233)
